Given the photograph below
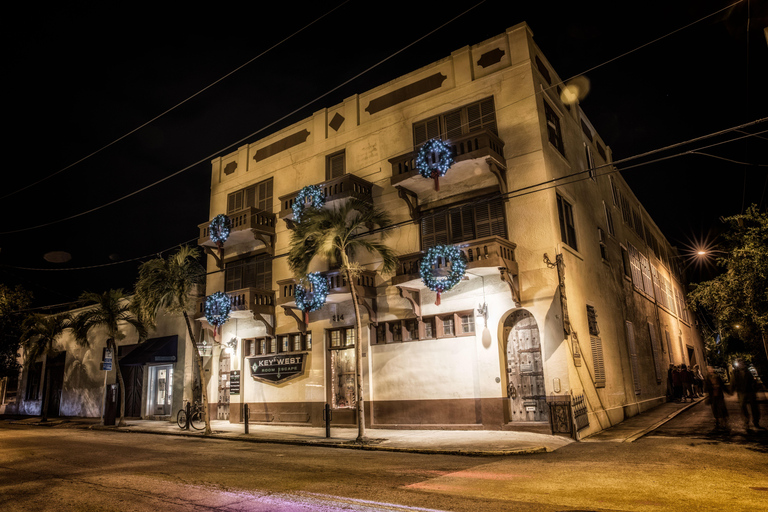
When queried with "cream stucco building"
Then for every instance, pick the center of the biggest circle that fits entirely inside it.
(571, 308)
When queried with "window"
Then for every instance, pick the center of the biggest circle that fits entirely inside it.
(656, 283)
(627, 264)
(341, 337)
(257, 196)
(590, 162)
(655, 351)
(603, 246)
(669, 347)
(609, 220)
(594, 330)
(567, 228)
(542, 69)
(598, 364)
(615, 193)
(467, 324)
(335, 165)
(634, 261)
(601, 150)
(448, 325)
(586, 131)
(252, 272)
(273, 345)
(553, 128)
(282, 343)
(633, 355)
(474, 117)
(464, 223)
(645, 267)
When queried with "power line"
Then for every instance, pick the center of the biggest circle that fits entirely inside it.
(176, 105)
(212, 155)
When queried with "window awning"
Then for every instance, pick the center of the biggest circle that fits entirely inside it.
(154, 350)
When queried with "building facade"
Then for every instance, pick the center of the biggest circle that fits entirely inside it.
(571, 306)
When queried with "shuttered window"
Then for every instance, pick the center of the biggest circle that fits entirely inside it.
(257, 196)
(334, 165)
(669, 347)
(645, 267)
(462, 224)
(634, 261)
(633, 355)
(567, 227)
(253, 272)
(609, 219)
(597, 361)
(474, 117)
(553, 128)
(656, 283)
(655, 350)
(594, 330)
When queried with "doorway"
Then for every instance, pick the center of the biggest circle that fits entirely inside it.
(525, 370)
(160, 390)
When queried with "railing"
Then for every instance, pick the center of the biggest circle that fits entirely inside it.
(337, 283)
(466, 147)
(492, 251)
(247, 218)
(342, 187)
(253, 299)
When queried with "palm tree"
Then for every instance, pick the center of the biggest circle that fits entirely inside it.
(109, 310)
(336, 235)
(38, 338)
(169, 284)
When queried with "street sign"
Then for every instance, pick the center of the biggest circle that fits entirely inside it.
(106, 364)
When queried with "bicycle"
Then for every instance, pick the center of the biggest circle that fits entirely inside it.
(195, 413)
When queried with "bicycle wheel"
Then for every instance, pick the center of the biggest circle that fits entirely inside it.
(197, 421)
(181, 419)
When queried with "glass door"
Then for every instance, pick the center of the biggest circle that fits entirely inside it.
(161, 389)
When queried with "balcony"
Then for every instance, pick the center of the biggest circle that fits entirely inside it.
(252, 300)
(343, 187)
(485, 256)
(479, 155)
(338, 289)
(246, 226)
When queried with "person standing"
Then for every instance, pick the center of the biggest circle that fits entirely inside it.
(677, 383)
(698, 381)
(746, 389)
(687, 377)
(715, 389)
(670, 388)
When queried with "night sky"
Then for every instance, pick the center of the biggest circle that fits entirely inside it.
(78, 78)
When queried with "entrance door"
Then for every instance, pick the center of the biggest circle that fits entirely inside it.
(222, 412)
(160, 389)
(132, 379)
(56, 382)
(525, 371)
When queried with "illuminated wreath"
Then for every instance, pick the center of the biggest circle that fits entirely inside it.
(458, 269)
(319, 286)
(442, 159)
(217, 309)
(312, 194)
(218, 229)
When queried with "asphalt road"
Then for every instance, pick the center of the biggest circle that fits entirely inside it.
(679, 467)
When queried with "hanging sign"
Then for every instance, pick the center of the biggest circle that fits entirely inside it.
(276, 368)
(234, 382)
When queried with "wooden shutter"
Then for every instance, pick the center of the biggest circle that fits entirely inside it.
(426, 130)
(598, 363)
(265, 195)
(453, 128)
(655, 351)
(488, 115)
(235, 201)
(250, 196)
(434, 230)
(669, 347)
(489, 219)
(633, 355)
(335, 166)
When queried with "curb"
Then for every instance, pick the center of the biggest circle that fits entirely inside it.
(348, 445)
(634, 437)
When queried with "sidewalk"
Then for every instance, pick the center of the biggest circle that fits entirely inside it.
(449, 442)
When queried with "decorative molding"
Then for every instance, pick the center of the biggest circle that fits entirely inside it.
(336, 122)
(230, 168)
(217, 256)
(514, 285)
(270, 327)
(490, 58)
(371, 308)
(406, 93)
(412, 200)
(500, 172)
(281, 145)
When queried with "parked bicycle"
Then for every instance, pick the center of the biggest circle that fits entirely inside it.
(194, 413)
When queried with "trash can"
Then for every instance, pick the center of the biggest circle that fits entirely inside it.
(110, 407)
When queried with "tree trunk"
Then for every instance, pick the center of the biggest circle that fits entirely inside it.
(121, 385)
(358, 359)
(46, 391)
(201, 370)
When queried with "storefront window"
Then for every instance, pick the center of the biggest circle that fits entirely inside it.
(350, 337)
(343, 378)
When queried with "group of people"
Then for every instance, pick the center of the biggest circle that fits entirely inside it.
(684, 383)
(745, 386)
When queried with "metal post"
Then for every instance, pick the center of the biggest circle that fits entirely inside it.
(246, 415)
(189, 416)
(327, 417)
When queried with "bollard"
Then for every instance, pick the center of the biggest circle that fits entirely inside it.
(189, 416)
(246, 414)
(327, 417)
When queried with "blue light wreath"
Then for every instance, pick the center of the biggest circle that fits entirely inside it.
(458, 269)
(219, 229)
(443, 160)
(320, 289)
(217, 309)
(311, 193)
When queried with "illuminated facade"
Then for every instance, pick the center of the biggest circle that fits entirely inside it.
(570, 295)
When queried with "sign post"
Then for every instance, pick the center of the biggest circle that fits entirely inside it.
(106, 366)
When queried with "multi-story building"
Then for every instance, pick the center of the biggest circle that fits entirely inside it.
(571, 307)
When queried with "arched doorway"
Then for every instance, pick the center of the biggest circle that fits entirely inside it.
(525, 370)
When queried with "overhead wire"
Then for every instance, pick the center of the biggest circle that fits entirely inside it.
(177, 105)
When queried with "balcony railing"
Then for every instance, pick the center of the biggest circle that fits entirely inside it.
(337, 285)
(245, 224)
(490, 252)
(342, 187)
(479, 144)
(253, 299)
